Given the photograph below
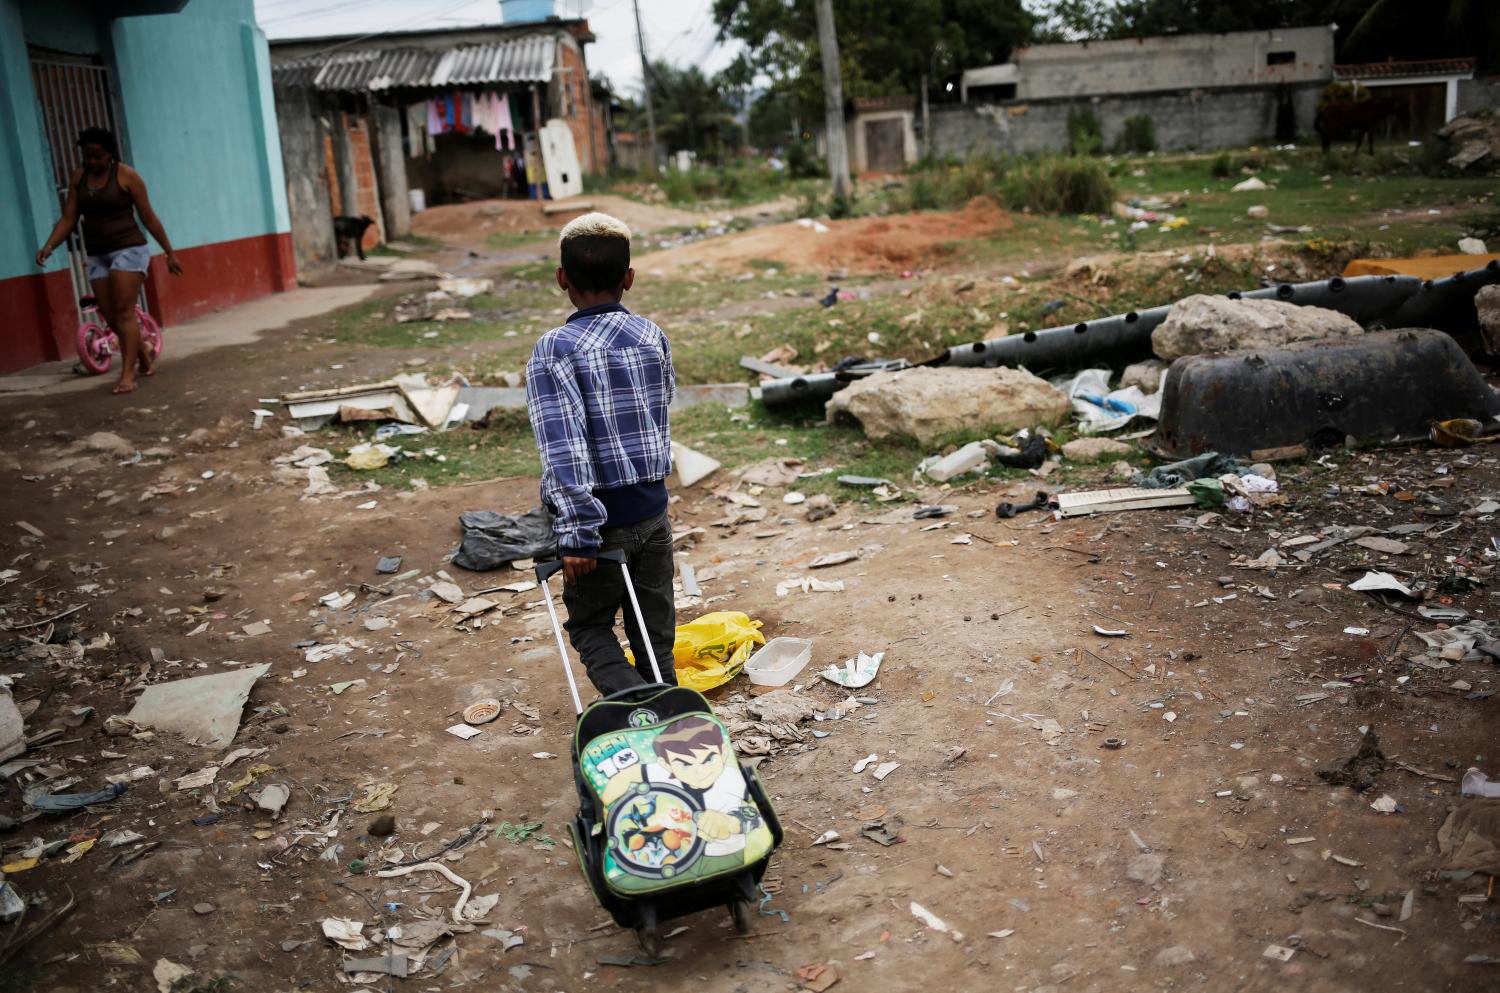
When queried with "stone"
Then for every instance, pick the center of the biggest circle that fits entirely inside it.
(1202, 323)
(928, 403)
(109, 443)
(1472, 246)
(1252, 185)
(1145, 868)
(1174, 955)
(1095, 449)
(1122, 472)
(382, 826)
(1260, 212)
(1487, 302)
(1147, 375)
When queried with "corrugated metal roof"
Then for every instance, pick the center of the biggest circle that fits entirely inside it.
(518, 60)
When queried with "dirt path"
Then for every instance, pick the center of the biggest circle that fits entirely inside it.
(1041, 833)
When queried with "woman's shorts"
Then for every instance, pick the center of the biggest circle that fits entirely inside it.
(136, 258)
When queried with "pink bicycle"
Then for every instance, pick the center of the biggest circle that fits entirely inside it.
(97, 343)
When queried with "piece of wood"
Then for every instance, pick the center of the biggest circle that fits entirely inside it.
(1128, 498)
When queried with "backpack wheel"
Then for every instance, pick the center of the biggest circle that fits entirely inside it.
(649, 938)
(743, 913)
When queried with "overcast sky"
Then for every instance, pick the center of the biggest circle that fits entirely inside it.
(679, 31)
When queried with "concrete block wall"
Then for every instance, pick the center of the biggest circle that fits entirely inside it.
(1478, 94)
(1185, 120)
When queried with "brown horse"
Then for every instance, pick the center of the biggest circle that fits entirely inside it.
(1358, 117)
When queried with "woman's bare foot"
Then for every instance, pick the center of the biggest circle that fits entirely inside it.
(126, 386)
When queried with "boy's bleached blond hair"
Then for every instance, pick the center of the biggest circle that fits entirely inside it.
(594, 225)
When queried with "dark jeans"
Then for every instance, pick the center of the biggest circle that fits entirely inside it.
(594, 600)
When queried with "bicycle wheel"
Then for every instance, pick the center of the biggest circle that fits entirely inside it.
(96, 348)
(150, 333)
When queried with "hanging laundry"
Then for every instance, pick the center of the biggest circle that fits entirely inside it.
(434, 117)
(418, 124)
(504, 129)
(466, 100)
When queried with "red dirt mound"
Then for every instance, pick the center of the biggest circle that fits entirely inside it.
(865, 245)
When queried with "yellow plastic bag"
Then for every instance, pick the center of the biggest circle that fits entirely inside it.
(712, 650)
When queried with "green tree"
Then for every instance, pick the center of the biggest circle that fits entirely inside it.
(692, 111)
(884, 48)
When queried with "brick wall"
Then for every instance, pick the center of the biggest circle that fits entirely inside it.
(570, 99)
(366, 188)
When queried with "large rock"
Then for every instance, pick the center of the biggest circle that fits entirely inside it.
(1487, 302)
(1199, 324)
(927, 404)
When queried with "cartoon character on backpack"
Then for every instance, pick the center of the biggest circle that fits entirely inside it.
(687, 814)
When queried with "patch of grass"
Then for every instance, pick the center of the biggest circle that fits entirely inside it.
(505, 240)
(495, 320)
(441, 458)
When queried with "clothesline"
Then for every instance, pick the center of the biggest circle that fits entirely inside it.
(465, 113)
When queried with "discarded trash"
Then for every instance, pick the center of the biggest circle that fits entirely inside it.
(388, 564)
(855, 673)
(832, 559)
(712, 649)
(464, 731)
(691, 466)
(377, 797)
(345, 933)
(385, 965)
(1469, 840)
(1476, 783)
(881, 835)
(1381, 582)
(56, 802)
(204, 709)
(1279, 952)
(884, 769)
(1109, 501)
(199, 779)
(12, 727)
(492, 541)
(482, 711)
(272, 799)
(1107, 633)
(779, 661)
(933, 921)
(1384, 805)
(809, 584)
(1041, 501)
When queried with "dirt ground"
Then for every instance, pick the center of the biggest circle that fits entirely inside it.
(466, 223)
(1056, 863)
(862, 246)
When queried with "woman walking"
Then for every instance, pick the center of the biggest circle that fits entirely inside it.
(108, 194)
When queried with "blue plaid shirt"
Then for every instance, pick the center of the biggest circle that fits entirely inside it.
(597, 390)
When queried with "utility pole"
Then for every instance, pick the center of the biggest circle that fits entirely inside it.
(833, 104)
(640, 41)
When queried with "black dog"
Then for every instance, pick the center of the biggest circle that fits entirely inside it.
(347, 229)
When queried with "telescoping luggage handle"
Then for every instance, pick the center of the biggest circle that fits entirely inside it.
(546, 570)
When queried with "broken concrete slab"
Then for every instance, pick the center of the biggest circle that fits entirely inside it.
(690, 466)
(1202, 323)
(204, 709)
(928, 403)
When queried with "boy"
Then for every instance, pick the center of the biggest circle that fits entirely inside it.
(597, 390)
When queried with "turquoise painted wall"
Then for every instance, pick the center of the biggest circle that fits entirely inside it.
(65, 26)
(25, 169)
(200, 120)
(197, 115)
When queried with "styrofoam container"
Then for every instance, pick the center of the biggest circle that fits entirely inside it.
(778, 661)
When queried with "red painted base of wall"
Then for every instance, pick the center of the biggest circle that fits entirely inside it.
(40, 319)
(220, 275)
(41, 316)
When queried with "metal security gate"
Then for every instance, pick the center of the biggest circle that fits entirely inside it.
(73, 93)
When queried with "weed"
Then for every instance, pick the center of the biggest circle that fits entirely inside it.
(1085, 136)
(1059, 186)
(1138, 135)
(1222, 166)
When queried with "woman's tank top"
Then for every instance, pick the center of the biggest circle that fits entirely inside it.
(108, 215)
